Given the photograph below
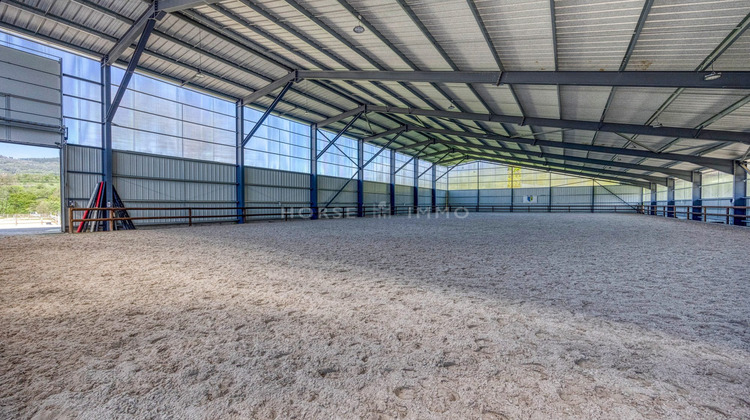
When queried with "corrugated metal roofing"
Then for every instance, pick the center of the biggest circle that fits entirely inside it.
(241, 45)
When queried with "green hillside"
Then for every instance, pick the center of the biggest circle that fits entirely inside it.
(29, 185)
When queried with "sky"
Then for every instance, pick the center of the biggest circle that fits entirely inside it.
(22, 151)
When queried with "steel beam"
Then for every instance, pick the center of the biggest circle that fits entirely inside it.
(722, 165)
(339, 134)
(576, 171)
(397, 130)
(267, 113)
(314, 171)
(171, 6)
(414, 156)
(434, 188)
(685, 175)
(740, 193)
(670, 197)
(451, 168)
(269, 88)
(654, 197)
(360, 169)
(107, 161)
(347, 114)
(240, 158)
(149, 27)
(392, 183)
(697, 195)
(129, 37)
(415, 188)
(595, 172)
(655, 79)
(360, 179)
(683, 132)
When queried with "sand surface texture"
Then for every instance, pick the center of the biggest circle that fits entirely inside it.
(496, 316)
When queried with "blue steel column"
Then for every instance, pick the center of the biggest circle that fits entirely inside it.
(697, 195)
(670, 197)
(240, 158)
(107, 170)
(434, 188)
(314, 171)
(360, 178)
(392, 186)
(415, 191)
(653, 199)
(740, 193)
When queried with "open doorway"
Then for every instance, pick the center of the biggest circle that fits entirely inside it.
(29, 189)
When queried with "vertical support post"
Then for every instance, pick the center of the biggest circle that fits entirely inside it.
(653, 199)
(434, 189)
(697, 195)
(360, 178)
(512, 187)
(740, 193)
(479, 192)
(107, 170)
(392, 186)
(670, 198)
(240, 159)
(549, 199)
(314, 171)
(415, 191)
(593, 194)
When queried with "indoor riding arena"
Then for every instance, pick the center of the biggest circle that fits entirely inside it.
(376, 209)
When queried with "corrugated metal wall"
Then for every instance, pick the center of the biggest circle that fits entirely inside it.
(376, 193)
(327, 188)
(404, 196)
(144, 180)
(274, 188)
(425, 197)
(560, 196)
(441, 197)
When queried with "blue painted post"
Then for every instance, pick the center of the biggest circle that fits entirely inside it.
(314, 171)
(415, 191)
(107, 170)
(740, 193)
(434, 188)
(240, 159)
(670, 197)
(697, 195)
(392, 186)
(360, 178)
(653, 199)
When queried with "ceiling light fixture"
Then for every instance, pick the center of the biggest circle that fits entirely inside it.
(714, 75)
(359, 28)
(452, 105)
(199, 75)
(657, 124)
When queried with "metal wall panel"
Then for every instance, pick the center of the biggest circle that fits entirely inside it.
(617, 195)
(495, 197)
(30, 93)
(425, 197)
(328, 186)
(462, 197)
(376, 193)
(404, 195)
(275, 189)
(571, 196)
(441, 197)
(541, 194)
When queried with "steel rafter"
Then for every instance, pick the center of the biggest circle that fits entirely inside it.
(656, 79)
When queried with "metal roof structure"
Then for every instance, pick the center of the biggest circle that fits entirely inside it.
(612, 87)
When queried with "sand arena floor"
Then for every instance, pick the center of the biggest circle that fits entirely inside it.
(496, 316)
